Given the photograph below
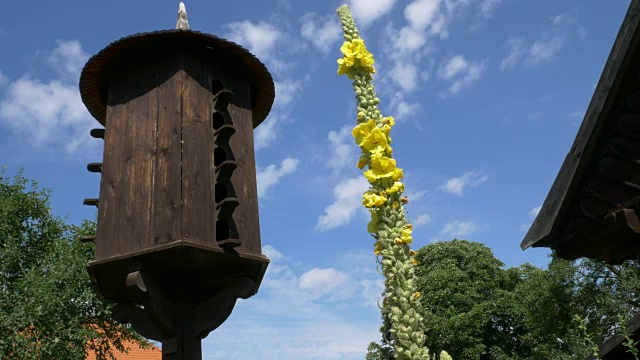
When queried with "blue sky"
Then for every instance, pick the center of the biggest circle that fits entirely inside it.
(488, 96)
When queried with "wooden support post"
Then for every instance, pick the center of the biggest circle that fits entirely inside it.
(186, 344)
(182, 324)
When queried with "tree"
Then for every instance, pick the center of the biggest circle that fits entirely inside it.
(475, 308)
(47, 307)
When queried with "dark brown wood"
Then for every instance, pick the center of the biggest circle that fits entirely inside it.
(97, 133)
(198, 173)
(88, 238)
(246, 215)
(94, 167)
(167, 221)
(109, 230)
(178, 237)
(139, 156)
(614, 349)
(601, 171)
(90, 202)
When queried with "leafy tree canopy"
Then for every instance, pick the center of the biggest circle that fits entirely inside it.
(47, 307)
(476, 308)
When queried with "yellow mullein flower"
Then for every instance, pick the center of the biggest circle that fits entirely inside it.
(363, 130)
(398, 174)
(377, 249)
(371, 199)
(387, 124)
(362, 162)
(374, 139)
(383, 164)
(381, 167)
(372, 134)
(378, 151)
(396, 187)
(405, 234)
(386, 129)
(355, 54)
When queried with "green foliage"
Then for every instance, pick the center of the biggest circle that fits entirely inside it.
(47, 307)
(475, 308)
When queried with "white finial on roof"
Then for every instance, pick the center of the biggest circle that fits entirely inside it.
(183, 22)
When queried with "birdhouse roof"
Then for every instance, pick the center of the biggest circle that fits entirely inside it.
(95, 74)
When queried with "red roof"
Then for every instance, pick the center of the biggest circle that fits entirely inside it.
(135, 353)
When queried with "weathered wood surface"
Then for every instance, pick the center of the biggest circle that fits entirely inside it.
(571, 216)
(167, 186)
(109, 231)
(198, 173)
(246, 216)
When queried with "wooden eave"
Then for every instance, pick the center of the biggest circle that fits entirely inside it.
(601, 173)
(614, 347)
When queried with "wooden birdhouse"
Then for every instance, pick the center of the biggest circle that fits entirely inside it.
(178, 228)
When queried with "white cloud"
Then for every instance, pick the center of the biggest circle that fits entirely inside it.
(453, 67)
(583, 33)
(290, 335)
(272, 174)
(535, 211)
(367, 11)
(266, 133)
(402, 109)
(322, 32)
(4, 80)
(405, 109)
(347, 200)
(544, 50)
(287, 91)
(460, 73)
(562, 19)
(272, 253)
(328, 282)
(342, 149)
(68, 58)
(534, 116)
(458, 229)
(575, 114)
(421, 220)
(405, 75)
(457, 185)
(487, 7)
(51, 113)
(422, 13)
(314, 314)
(516, 52)
(261, 38)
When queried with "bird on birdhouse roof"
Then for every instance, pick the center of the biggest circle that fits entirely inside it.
(183, 22)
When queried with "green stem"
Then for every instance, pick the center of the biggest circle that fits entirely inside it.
(400, 303)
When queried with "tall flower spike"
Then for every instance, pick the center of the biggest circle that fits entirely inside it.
(183, 22)
(384, 198)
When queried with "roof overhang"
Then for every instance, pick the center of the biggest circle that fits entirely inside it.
(590, 208)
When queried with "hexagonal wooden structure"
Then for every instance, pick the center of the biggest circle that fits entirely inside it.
(178, 220)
